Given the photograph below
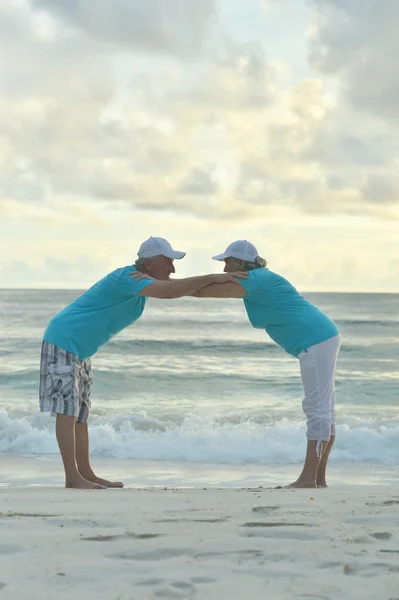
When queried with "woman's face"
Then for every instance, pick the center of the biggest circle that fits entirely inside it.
(233, 264)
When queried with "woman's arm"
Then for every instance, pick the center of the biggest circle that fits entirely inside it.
(176, 288)
(221, 290)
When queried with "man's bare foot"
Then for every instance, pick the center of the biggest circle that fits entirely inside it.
(83, 484)
(103, 482)
(322, 484)
(106, 483)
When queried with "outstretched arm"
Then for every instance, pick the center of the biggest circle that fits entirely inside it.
(190, 286)
(222, 290)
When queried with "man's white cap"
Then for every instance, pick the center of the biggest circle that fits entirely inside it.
(155, 246)
(241, 249)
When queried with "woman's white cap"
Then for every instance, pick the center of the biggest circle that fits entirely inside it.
(241, 249)
(155, 246)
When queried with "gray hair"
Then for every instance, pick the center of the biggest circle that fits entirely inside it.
(139, 264)
(259, 263)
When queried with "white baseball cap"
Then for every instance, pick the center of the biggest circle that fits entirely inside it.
(241, 249)
(155, 246)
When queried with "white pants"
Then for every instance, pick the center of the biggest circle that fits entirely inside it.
(318, 365)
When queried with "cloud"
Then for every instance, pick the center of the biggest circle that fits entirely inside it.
(381, 190)
(51, 272)
(358, 41)
(198, 182)
(175, 26)
(355, 42)
(237, 78)
(226, 137)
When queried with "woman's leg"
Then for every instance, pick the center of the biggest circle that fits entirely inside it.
(321, 471)
(318, 374)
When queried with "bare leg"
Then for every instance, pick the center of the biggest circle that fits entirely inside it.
(83, 458)
(65, 432)
(307, 478)
(321, 473)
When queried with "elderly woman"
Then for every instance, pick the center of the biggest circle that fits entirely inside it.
(299, 327)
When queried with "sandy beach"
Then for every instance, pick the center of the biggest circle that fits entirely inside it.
(147, 543)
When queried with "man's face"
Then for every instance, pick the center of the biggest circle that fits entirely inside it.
(232, 264)
(160, 267)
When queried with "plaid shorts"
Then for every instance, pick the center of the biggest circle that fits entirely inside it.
(65, 383)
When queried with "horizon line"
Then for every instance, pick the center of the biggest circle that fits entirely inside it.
(83, 289)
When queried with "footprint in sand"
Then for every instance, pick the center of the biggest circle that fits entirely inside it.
(362, 539)
(10, 549)
(370, 570)
(329, 565)
(241, 555)
(163, 554)
(216, 520)
(275, 524)
(203, 580)
(109, 538)
(311, 597)
(294, 531)
(176, 589)
(193, 580)
(150, 582)
(264, 510)
(383, 535)
(18, 514)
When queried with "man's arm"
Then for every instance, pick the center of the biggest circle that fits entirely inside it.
(168, 290)
(221, 290)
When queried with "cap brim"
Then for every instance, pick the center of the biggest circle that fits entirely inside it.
(220, 256)
(175, 254)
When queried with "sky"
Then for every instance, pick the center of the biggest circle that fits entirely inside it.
(201, 121)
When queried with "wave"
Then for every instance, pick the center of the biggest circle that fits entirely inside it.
(200, 439)
(365, 322)
(220, 348)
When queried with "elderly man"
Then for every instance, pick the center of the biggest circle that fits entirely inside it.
(75, 334)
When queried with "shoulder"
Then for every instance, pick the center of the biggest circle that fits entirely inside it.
(121, 272)
(123, 281)
(256, 278)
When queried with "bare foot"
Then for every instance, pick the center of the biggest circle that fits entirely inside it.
(103, 482)
(298, 484)
(106, 483)
(322, 484)
(83, 484)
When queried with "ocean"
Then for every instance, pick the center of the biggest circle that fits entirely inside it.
(192, 388)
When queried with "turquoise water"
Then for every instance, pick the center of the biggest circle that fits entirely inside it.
(192, 381)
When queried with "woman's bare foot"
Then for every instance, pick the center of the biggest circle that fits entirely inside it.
(301, 483)
(83, 484)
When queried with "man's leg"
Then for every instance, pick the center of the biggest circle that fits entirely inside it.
(83, 458)
(65, 432)
(82, 431)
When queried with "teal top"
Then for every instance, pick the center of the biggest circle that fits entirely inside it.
(96, 316)
(273, 304)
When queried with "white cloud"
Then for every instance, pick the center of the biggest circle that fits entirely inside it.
(228, 130)
(107, 119)
(355, 42)
(174, 26)
(358, 41)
